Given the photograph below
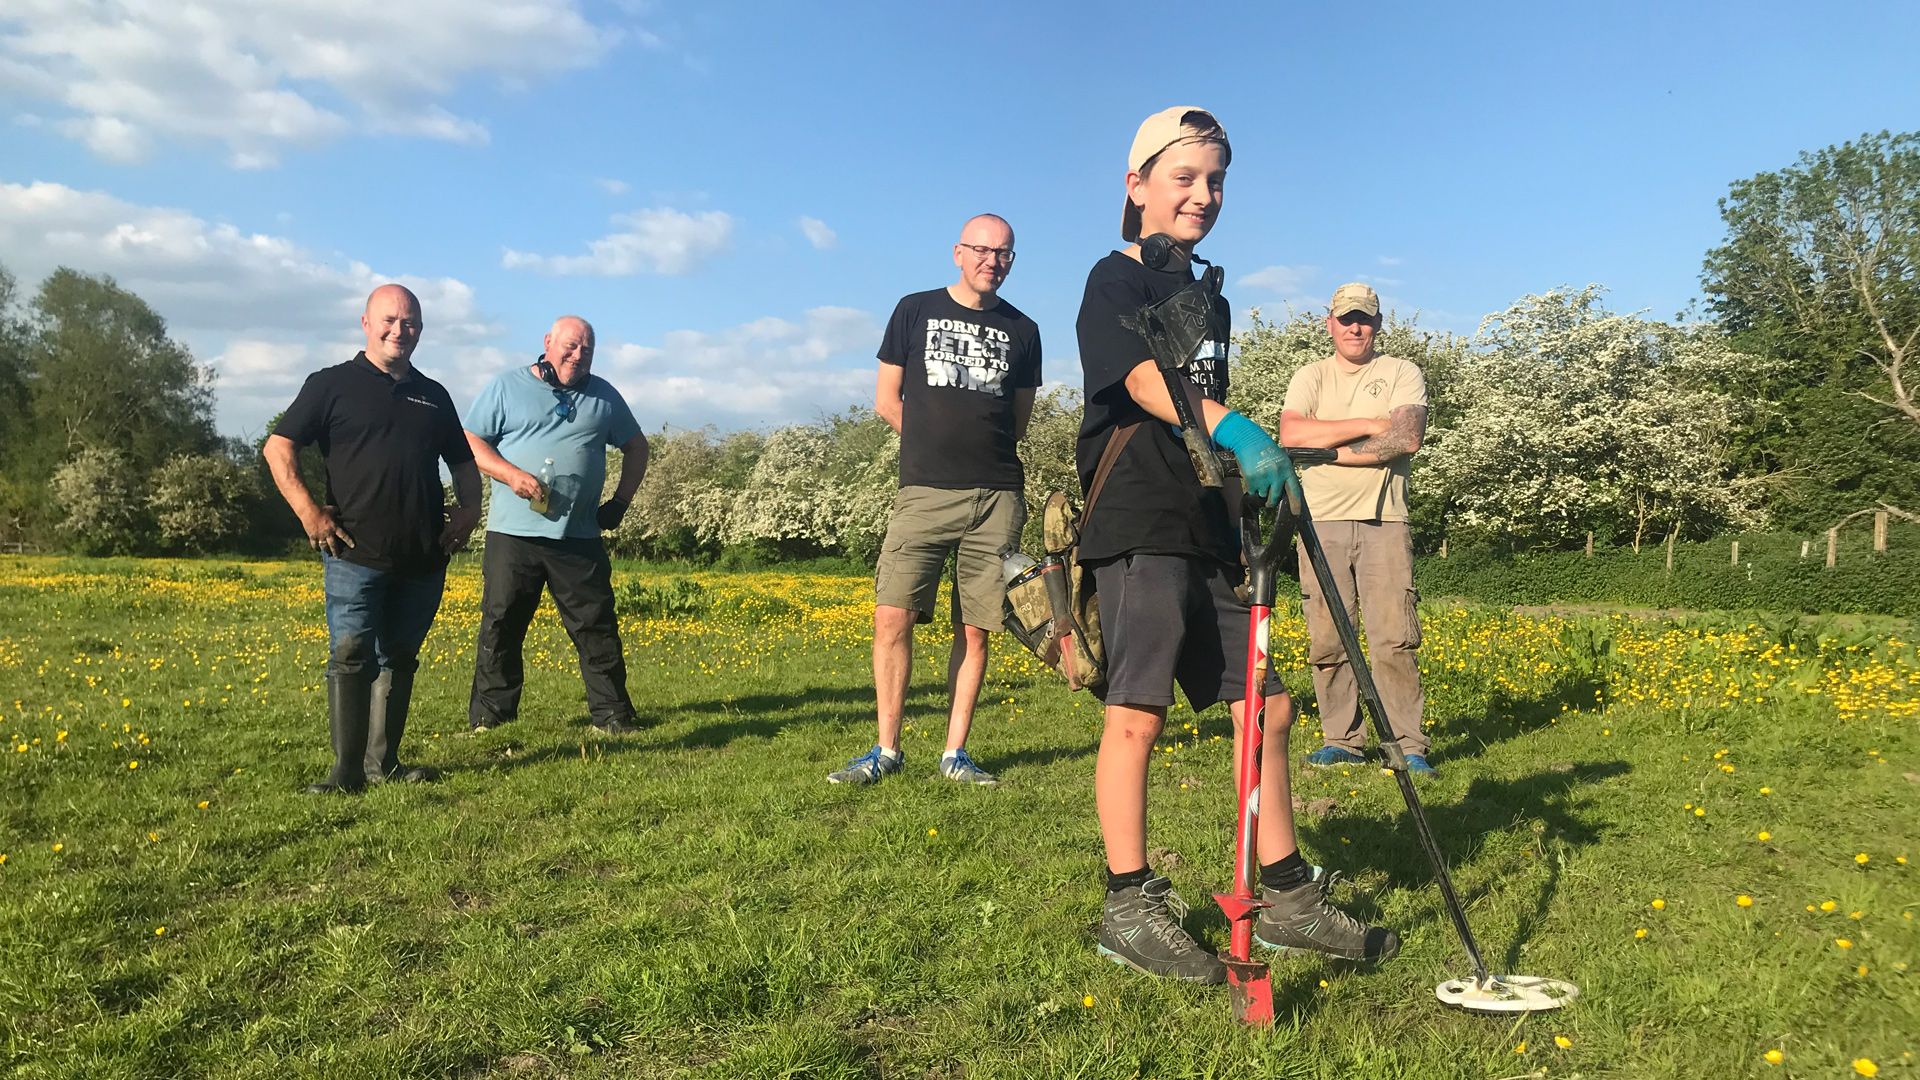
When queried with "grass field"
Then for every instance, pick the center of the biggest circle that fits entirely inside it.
(1708, 824)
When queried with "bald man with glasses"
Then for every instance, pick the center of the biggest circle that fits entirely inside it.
(554, 418)
(958, 369)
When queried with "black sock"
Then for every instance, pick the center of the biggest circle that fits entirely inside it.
(1130, 879)
(1287, 873)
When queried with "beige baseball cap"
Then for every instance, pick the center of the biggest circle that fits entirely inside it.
(1354, 296)
(1157, 132)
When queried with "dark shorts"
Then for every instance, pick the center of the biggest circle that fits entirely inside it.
(1169, 619)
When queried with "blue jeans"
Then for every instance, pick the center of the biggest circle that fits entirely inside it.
(377, 619)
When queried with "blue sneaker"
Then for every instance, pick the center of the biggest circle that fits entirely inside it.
(1329, 756)
(868, 768)
(1418, 765)
(956, 765)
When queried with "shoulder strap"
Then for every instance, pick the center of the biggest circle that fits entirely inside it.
(1115, 443)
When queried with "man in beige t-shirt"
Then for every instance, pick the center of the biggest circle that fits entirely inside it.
(1374, 409)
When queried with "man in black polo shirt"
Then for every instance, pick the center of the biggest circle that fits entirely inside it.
(958, 368)
(384, 533)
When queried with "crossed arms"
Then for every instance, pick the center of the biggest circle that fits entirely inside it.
(1362, 440)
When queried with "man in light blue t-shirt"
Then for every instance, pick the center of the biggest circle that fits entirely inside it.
(541, 433)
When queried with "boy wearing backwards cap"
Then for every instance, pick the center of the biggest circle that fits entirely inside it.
(1165, 559)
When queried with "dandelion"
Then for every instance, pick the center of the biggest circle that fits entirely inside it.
(1828, 905)
(58, 848)
(1640, 933)
(1087, 1002)
(201, 805)
(1766, 791)
(1856, 914)
(159, 931)
(1900, 860)
(1764, 835)
(1659, 904)
(1861, 858)
(1522, 1048)
(1774, 1057)
(1843, 943)
(1743, 900)
(1865, 1067)
(1323, 984)
(133, 764)
(3, 858)
(1861, 971)
(933, 832)
(1699, 811)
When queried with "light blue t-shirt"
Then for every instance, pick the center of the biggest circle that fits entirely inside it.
(528, 421)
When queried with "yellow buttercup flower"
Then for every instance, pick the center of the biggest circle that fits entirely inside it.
(1743, 900)
(1861, 858)
(1828, 905)
(1843, 943)
(1659, 904)
(1865, 1067)
(1774, 1057)
(1764, 835)
(1563, 1042)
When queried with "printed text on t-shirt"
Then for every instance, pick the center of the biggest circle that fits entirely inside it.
(967, 355)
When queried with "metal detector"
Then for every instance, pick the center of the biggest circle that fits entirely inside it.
(1484, 992)
(1174, 329)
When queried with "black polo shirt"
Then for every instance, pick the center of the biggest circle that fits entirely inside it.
(383, 440)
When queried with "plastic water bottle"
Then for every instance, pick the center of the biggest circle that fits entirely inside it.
(539, 502)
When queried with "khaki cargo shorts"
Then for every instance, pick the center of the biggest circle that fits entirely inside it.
(929, 524)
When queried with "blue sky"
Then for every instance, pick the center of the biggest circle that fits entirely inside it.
(253, 168)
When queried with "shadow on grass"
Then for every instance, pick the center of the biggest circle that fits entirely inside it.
(1549, 803)
(1549, 798)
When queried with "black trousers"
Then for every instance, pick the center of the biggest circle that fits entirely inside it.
(578, 573)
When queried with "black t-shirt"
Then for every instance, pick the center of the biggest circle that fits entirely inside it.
(962, 366)
(383, 441)
(1153, 502)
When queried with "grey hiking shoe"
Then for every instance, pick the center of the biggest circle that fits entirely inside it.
(868, 768)
(1303, 918)
(957, 765)
(1142, 930)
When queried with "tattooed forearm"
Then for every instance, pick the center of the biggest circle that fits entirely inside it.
(1405, 427)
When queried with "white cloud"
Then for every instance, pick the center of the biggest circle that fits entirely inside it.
(818, 234)
(767, 371)
(266, 310)
(1279, 279)
(261, 77)
(612, 186)
(656, 241)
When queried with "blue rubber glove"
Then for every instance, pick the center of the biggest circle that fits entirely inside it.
(1267, 468)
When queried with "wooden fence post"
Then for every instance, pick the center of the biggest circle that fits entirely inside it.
(1879, 530)
(1443, 547)
(1804, 545)
(1589, 543)
(1734, 558)
(1833, 545)
(1670, 537)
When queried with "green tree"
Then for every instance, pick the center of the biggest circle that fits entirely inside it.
(98, 496)
(202, 502)
(1821, 268)
(103, 373)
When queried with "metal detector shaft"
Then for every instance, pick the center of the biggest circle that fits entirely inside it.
(1206, 463)
(1389, 746)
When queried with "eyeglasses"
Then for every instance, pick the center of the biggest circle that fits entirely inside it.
(983, 252)
(565, 410)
